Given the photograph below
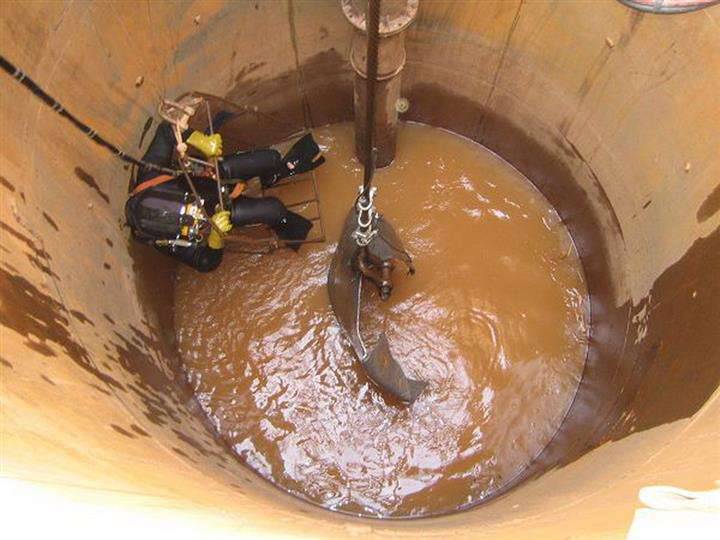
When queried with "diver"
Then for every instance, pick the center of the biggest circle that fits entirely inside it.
(162, 211)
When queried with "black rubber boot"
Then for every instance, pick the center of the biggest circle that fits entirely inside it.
(288, 225)
(247, 165)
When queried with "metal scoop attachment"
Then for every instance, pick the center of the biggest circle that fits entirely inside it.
(371, 253)
(368, 248)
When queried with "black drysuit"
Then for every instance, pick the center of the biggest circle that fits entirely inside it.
(155, 213)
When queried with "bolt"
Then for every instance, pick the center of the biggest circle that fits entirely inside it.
(688, 166)
(610, 43)
(139, 81)
(196, 19)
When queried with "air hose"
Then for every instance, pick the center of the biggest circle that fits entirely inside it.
(51, 102)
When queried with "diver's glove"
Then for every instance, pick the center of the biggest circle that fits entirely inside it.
(222, 226)
(209, 145)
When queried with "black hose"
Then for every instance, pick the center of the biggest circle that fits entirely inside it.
(373, 33)
(51, 102)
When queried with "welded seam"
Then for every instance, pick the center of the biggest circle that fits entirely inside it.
(597, 68)
(307, 112)
(143, 63)
(500, 65)
(163, 83)
(66, 8)
(108, 53)
(173, 50)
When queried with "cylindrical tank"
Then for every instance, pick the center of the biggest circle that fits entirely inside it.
(613, 113)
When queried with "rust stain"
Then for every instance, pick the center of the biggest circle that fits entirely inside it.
(7, 185)
(681, 348)
(248, 70)
(100, 389)
(50, 220)
(710, 205)
(80, 316)
(140, 431)
(42, 320)
(24, 239)
(89, 181)
(327, 98)
(191, 442)
(122, 431)
(38, 257)
(181, 453)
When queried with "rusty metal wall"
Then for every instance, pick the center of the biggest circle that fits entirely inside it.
(613, 113)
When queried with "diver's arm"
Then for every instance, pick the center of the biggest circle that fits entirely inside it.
(160, 151)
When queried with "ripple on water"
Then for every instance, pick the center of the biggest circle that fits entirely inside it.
(494, 319)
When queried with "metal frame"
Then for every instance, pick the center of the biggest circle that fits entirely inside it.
(233, 243)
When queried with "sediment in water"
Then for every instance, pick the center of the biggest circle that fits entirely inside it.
(495, 319)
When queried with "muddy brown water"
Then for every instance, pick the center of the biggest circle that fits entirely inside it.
(495, 319)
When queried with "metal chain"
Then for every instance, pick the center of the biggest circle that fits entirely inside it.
(366, 218)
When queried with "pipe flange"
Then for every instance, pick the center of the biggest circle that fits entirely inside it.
(395, 16)
(383, 76)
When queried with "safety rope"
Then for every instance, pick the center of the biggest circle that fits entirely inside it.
(20, 76)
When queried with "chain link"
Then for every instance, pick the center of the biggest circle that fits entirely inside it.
(366, 217)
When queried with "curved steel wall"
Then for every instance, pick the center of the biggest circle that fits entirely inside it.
(613, 113)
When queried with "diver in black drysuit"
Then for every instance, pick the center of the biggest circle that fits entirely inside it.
(164, 215)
